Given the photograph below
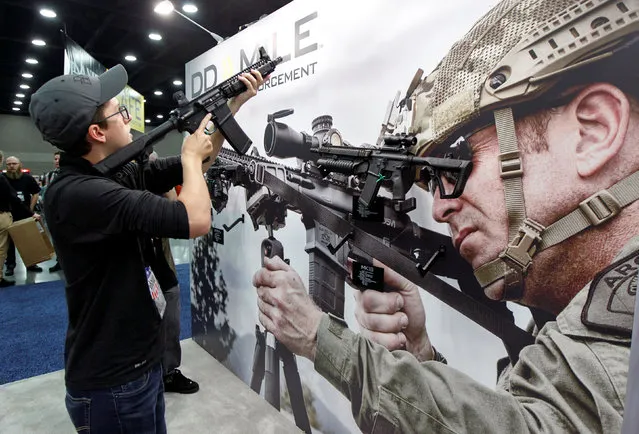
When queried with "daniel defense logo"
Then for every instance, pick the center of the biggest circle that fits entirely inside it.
(300, 37)
(611, 300)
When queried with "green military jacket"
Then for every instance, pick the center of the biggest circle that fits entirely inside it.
(572, 380)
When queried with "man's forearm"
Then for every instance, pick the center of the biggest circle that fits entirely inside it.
(397, 393)
(34, 200)
(195, 197)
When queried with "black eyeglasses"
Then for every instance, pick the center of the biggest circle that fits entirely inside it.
(450, 171)
(122, 111)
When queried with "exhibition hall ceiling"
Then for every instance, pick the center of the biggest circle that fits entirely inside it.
(109, 31)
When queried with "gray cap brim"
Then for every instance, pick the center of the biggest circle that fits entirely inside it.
(112, 82)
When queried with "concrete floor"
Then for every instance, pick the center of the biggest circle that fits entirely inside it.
(224, 404)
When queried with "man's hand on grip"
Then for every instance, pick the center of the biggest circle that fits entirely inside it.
(395, 319)
(198, 145)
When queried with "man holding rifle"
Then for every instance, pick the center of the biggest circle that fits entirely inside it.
(102, 232)
(540, 93)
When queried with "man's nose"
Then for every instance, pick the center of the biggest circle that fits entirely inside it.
(444, 208)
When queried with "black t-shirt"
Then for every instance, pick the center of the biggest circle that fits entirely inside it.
(99, 229)
(9, 200)
(25, 186)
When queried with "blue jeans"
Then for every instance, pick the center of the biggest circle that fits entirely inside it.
(134, 407)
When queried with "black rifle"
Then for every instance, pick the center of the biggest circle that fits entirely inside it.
(331, 203)
(188, 115)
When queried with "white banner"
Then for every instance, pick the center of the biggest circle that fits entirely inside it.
(347, 60)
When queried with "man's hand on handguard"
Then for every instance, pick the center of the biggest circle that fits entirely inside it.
(252, 82)
(285, 308)
(394, 319)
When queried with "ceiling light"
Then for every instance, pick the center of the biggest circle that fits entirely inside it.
(20, 95)
(31, 61)
(155, 36)
(16, 109)
(17, 102)
(48, 13)
(189, 8)
(27, 75)
(164, 8)
(130, 58)
(25, 86)
(177, 82)
(157, 92)
(160, 116)
(147, 121)
(39, 42)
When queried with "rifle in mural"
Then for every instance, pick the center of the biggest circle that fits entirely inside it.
(353, 204)
(188, 115)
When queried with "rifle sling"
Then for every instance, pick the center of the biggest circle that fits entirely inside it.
(513, 337)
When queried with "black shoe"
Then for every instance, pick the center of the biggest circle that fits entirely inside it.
(55, 268)
(4, 283)
(9, 272)
(178, 383)
(34, 269)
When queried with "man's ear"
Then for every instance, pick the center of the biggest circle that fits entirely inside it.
(602, 114)
(95, 134)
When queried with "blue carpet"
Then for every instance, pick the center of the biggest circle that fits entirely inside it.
(33, 323)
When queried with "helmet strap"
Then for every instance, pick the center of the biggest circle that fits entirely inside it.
(513, 262)
(529, 237)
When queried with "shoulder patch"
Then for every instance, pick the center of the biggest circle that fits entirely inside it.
(611, 298)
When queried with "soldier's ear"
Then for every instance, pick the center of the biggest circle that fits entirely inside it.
(602, 115)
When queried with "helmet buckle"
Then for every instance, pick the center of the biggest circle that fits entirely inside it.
(600, 207)
(523, 247)
(510, 165)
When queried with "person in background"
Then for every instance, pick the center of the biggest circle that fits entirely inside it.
(9, 201)
(45, 180)
(164, 269)
(50, 176)
(28, 191)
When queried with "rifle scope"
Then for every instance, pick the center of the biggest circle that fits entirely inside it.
(282, 141)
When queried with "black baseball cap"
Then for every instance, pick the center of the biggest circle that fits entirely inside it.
(63, 107)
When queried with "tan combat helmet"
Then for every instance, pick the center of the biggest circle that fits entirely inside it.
(513, 56)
